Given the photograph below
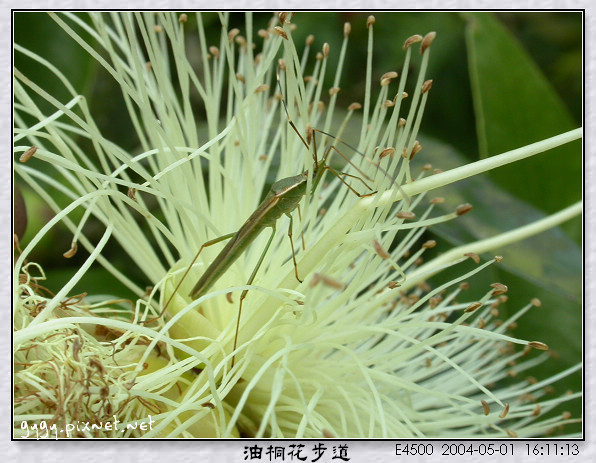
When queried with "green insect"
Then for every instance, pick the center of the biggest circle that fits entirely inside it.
(283, 198)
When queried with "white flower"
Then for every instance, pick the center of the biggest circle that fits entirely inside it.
(360, 348)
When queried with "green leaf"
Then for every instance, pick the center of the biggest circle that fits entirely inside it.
(515, 105)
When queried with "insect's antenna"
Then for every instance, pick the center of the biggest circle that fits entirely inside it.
(283, 100)
(364, 156)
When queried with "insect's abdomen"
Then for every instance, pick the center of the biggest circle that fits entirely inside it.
(228, 255)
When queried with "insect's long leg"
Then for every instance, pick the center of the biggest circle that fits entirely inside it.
(250, 280)
(325, 166)
(352, 164)
(338, 175)
(356, 178)
(203, 246)
(301, 231)
(400, 189)
(292, 244)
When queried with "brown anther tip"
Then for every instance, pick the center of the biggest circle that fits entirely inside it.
(263, 33)
(536, 302)
(429, 244)
(157, 28)
(327, 434)
(347, 29)
(334, 90)
(214, 51)
(72, 251)
(280, 31)
(427, 85)
(309, 133)
(505, 411)
(389, 104)
(566, 415)
(309, 40)
(499, 288)
(240, 41)
(387, 152)
(380, 251)
(261, 88)
(28, 154)
(131, 193)
(473, 306)
(427, 167)
(498, 258)
(370, 21)
(327, 281)
(511, 433)
(240, 77)
(232, 34)
(415, 149)
(354, 107)
(401, 122)
(472, 255)
(182, 18)
(282, 17)
(538, 345)
(485, 407)
(229, 298)
(406, 215)
(282, 64)
(426, 41)
(387, 77)
(537, 410)
(390, 75)
(393, 285)
(464, 286)
(326, 50)
(208, 405)
(463, 209)
(319, 56)
(411, 41)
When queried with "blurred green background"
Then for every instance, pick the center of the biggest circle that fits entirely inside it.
(501, 81)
